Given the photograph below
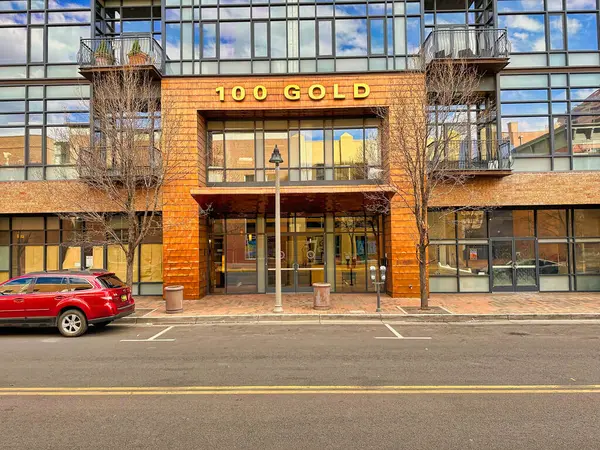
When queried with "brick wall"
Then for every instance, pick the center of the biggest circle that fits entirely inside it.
(198, 96)
(525, 189)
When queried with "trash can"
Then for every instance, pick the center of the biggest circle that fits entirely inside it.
(174, 299)
(321, 296)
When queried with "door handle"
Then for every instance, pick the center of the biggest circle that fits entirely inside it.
(19, 300)
(59, 297)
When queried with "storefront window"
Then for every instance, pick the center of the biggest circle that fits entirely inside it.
(441, 225)
(442, 260)
(587, 222)
(552, 223)
(472, 225)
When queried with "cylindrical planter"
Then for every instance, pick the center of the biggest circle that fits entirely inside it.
(321, 296)
(174, 299)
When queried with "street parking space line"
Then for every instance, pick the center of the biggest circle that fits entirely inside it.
(153, 338)
(399, 336)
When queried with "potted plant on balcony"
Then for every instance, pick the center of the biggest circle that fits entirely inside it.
(136, 56)
(104, 54)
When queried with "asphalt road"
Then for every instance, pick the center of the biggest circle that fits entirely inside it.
(204, 387)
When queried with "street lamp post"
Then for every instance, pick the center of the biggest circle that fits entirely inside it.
(277, 159)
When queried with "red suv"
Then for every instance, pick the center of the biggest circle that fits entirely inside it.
(69, 300)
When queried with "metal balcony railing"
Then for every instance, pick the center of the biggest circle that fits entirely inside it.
(100, 163)
(474, 155)
(120, 51)
(466, 43)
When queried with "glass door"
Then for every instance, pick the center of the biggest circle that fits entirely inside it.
(302, 262)
(310, 264)
(514, 265)
(288, 263)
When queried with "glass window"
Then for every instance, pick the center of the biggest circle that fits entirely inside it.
(587, 257)
(442, 259)
(278, 40)
(525, 31)
(50, 284)
(473, 259)
(261, 40)
(63, 42)
(582, 31)
(18, 286)
(377, 36)
(16, 52)
(215, 149)
(587, 222)
(351, 37)
(325, 38)
(239, 150)
(209, 40)
(307, 38)
(553, 259)
(348, 150)
(111, 281)
(507, 223)
(151, 266)
(441, 225)
(472, 225)
(234, 40)
(79, 284)
(529, 135)
(12, 146)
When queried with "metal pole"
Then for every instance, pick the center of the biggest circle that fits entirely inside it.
(378, 298)
(278, 304)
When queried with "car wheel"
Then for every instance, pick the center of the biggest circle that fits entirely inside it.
(102, 324)
(72, 323)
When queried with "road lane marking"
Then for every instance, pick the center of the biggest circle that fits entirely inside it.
(399, 336)
(153, 338)
(295, 390)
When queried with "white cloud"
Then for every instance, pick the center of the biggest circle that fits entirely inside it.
(581, 4)
(351, 37)
(539, 45)
(526, 23)
(573, 26)
(519, 35)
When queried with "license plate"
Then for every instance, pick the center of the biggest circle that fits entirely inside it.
(124, 298)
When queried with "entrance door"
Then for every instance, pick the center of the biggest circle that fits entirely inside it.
(302, 262)
(514, 265)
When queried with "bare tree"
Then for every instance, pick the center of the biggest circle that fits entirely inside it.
(126, 164)
(434, 133)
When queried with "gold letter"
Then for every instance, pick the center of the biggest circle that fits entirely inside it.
(336, 92)
(311, 92)
(238, 93)
(292, 92)
(221, 93)
(260, 93)
(366, 90)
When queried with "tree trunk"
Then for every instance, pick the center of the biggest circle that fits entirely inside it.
(423, 277)
(130, 258)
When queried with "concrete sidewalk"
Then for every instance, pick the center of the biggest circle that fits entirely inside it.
(361, 307)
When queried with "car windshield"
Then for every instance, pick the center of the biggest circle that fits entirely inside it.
(111, 281)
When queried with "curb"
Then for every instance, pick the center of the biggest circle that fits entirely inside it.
(355, 318)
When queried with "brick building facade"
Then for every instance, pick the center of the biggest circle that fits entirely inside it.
(308, 78)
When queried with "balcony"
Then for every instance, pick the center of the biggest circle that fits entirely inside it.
(476, 157)
(104, 54)
(98, 165)
(487, 49)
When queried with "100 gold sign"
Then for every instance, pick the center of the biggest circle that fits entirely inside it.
(293, 92)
